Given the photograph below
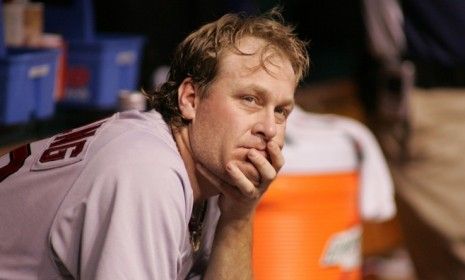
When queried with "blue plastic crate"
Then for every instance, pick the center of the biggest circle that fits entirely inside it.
(27, 80)
(98, 71)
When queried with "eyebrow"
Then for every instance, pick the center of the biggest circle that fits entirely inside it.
(264, 92)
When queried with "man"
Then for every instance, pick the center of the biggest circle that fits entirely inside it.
(423, 134)
(126, 197)
(430, 182)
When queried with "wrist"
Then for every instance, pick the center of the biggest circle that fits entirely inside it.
(235, 222)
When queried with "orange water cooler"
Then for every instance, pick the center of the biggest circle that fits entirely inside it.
(308, 227)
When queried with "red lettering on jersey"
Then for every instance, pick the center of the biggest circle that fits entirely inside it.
(75, 135)
(59, 152)
(17, 158)
(68, 145)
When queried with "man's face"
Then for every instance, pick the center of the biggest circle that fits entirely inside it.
(245, 108)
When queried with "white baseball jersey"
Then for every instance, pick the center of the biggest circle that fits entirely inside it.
(110, 200)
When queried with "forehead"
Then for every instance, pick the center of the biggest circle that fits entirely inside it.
(253, 57)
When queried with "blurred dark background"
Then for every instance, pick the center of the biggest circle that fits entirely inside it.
(334, 29)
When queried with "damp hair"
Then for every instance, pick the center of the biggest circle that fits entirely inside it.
(199, 54)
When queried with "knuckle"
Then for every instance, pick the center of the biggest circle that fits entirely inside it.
(256, 196)
(271, 174)
(279, 163)
(249, 193)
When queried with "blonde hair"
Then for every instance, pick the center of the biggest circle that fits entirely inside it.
(199, 54)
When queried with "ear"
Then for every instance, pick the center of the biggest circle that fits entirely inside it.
(187, 94)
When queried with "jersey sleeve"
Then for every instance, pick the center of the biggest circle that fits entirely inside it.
(130, 224)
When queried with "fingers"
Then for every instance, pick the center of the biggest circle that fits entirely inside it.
(222, 186)
(239, 184)
(243, 184)
(276, 156)
(266, 170)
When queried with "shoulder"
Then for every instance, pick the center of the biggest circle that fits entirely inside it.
(133, 178)
(127, 131)
(135, 138)
(135, 155)
(137, 147)
(139, 160)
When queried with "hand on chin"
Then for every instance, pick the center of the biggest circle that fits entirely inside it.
(250, 171)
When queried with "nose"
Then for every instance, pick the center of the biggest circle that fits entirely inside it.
(265, 126)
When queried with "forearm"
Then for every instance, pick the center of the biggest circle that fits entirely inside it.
(231, 256)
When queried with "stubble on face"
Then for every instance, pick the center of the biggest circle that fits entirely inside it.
(222, 129)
